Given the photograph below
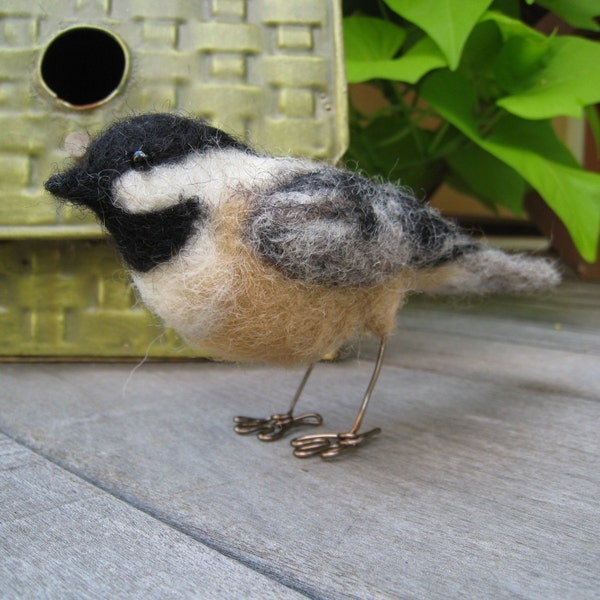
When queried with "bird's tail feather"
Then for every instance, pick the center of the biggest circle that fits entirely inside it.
(486, 271)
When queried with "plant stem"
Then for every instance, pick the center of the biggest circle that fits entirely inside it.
(383, 10)
(408, 114)
(593, 120)
(439, 134)
(398, 135)
(457, 142)
(489, 119)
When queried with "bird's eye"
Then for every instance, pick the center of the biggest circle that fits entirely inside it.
(139, 160)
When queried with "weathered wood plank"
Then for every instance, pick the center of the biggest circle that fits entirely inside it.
(514, 330)
(573, 303)
(63, 538)
(551, 370)
(475, 487)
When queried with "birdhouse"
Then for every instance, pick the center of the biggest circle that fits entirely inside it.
(267, 71)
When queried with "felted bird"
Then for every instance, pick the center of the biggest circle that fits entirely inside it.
(273, 259)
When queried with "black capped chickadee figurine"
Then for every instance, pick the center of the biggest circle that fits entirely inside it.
(276, 260)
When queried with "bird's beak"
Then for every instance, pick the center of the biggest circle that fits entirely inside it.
(75, 185)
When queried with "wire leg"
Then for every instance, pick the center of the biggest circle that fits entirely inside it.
(330, 445)
(277, 425)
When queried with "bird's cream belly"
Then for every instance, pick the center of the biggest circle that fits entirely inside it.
(248, 312)
(287, 322)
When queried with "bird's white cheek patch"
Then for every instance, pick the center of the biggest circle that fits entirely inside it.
(188, 291)
(160, 188)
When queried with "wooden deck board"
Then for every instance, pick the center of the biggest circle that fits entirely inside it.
(61, 537)
(484, 482)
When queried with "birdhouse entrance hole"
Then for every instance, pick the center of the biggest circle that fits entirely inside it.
(84, 66)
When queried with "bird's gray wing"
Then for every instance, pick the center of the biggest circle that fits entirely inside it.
(335, 227)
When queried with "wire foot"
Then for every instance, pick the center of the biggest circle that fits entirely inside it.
(329, 445)
(275, 426)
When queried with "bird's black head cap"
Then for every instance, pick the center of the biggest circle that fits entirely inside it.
(148, 140)
(140, 143)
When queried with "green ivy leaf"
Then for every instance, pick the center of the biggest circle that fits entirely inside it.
(420, 59)
(369, 39)
(519, 62)
(489, 178)
(371, 44)
(550, 77)
(511, 27)
(508, 7)
(447, 22)
(580, 14)
(532, 149)
(479, 56)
